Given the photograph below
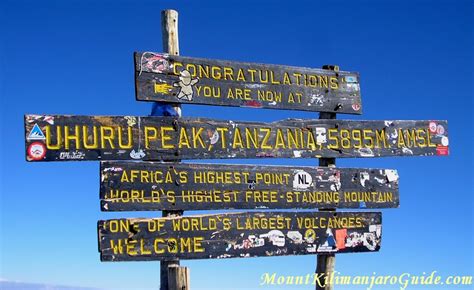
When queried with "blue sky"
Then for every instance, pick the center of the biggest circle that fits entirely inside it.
(415, 60)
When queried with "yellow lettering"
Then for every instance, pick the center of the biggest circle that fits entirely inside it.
(129, 134)
(150, 134)
(104, 136)
(264, 144)
(165, 137)
(183, 138)
(237, 139)
(197, 137)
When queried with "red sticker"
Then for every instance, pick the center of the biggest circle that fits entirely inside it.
(253, 103)
(356, 107)
(36, 151)
(442, 150)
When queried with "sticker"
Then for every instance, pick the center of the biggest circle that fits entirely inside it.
(310, 236)
(356, 107)
(392, 175)
(341, 236)
(378, 231)
(295, 236)
(253, 103)
(49, 119)
(154, 62)
(369, 241)
(351, 79)
(137, 154)
(440, 130)
(36, 134)
(162, 88)
(445, 141)
(320, 134)
(380, 180)
(302, 180)
(442, 150)
(330, 244)
(311, 249)
(366, 152)
(276, 237)
(186, 84)
(131, 121)
(432, 126)
(256, 242)
(215, 137)
(33, 118)
(353, 87)
(364, 176)
(336, 180)
(407, 151)
(78, 155)
(251, 184)
(36, 151)
(317, 99)
(394, 136)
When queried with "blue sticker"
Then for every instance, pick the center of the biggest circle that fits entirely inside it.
(351, 79)
(362, 205)
(36, 133)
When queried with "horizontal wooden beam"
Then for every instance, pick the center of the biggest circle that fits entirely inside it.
(233, 235)
(137, 186)
(56, 138)
(177, 79)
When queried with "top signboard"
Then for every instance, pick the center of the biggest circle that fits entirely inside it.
(177, 79)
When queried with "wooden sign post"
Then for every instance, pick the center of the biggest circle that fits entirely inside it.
(325, 264)
(166, 185)
(172, 276)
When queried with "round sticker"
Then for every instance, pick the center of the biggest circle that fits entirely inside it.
(215, 137)
(356, 107)
(440, 130)
(445, 141)
(432, 127)
(36, 150)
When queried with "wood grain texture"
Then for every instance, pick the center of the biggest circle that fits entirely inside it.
(138, 186)
(162, 77)
(231, 235)
(168, 138)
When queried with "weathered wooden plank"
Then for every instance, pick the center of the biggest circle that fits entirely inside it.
(127, 186)
(178, 79)
(254, 234)
(55, 138)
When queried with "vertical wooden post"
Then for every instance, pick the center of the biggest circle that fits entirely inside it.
(178, 278)
(171, 274)
(169, 32)
(325, 263)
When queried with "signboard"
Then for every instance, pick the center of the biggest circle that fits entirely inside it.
(129, 186)
(177, 79)
(56, 138)
(239, 235)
